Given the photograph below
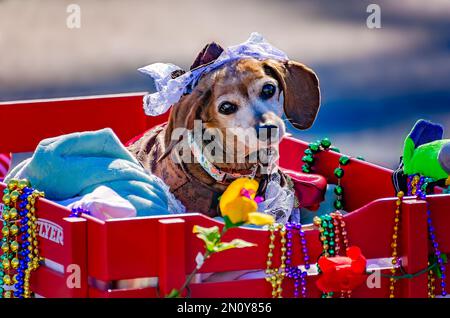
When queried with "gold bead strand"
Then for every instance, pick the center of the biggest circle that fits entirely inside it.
(394, 243)
(340, 227)
(431, 280)
(281, 270)
(275, 276)
(269, 270)
(318, 222)
(337, 240)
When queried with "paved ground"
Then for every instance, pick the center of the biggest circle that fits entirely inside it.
(375, 83)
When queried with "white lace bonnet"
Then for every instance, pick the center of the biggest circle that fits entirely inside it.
(169, 90)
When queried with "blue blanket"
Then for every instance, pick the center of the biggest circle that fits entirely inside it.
(75, 164)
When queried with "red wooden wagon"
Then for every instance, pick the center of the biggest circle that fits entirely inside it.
(158, 252)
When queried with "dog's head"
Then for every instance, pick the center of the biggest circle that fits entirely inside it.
(248, 96)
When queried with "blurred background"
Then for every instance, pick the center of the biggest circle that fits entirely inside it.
(375, 82)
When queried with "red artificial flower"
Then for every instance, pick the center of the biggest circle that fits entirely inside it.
(342, 273)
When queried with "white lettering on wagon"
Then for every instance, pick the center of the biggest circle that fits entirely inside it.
(50, 231)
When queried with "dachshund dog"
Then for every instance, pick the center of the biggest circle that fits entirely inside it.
(245, 94)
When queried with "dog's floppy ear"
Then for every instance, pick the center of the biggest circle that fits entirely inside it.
(209, 53)
(301, 91)
(182, 115)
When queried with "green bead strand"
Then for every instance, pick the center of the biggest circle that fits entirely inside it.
(344, 160)
(306, 168)
(338, 190)
(326, 143)
(339, 172)
(315, 147)
(338, 205)
(308, 159)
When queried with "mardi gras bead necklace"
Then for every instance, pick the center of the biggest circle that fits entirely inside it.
(20, 250)
(326, 236)
(431, 282)
(334, 239)
(417, 185)
(295, 272)
(77, 212)
(340, 229)
(275, 276)
(394, 244)
(324, 227)
(308, 160)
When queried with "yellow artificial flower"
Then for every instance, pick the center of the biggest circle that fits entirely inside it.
(239, 205)
(260, 219)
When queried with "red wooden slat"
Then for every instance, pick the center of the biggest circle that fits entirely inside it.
(50, 284)
(97, 252)
(370, 228)
(440, 215)
(109, 240)
(171, 251)
(49, 118)
(369, 181)
(53, 216)
(75, 254)
(139, 238)
(414, 247)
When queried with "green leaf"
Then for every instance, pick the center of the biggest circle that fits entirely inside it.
(229, 224)
(433, 260)
(208, 235)
(174, 294)
(236, 243)
(438, 270)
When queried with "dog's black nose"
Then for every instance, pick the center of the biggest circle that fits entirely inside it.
(266, 131)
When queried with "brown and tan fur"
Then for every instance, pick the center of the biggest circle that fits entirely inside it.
(238, 82)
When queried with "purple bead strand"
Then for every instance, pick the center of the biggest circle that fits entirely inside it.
(421, 194)
(305, 259)
(437, 252)
(295, 272)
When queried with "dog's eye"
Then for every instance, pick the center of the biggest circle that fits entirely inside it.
(268, 90)
(227, 108)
